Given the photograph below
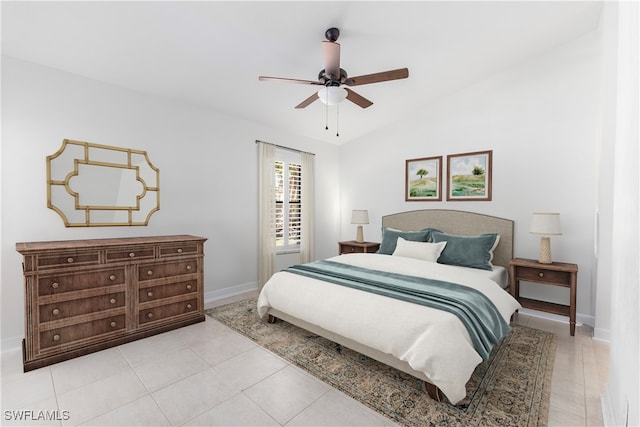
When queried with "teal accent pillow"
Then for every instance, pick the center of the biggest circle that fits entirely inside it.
(467, 251)
(390, 238)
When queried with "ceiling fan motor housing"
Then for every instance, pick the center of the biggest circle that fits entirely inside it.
(329, 80)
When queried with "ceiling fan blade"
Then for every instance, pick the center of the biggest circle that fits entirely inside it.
(308, 101)
(331, 59)
(401, 73)
(358, 99)
(282, 79)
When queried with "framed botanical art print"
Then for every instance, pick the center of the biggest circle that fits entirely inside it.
(423, 179)
(469, 176)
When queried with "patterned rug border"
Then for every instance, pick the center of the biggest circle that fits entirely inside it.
(399, 396)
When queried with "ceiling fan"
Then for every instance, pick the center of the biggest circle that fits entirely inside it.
(334, 79)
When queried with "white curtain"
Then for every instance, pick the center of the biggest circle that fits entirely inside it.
(306, 231)
(267, 208)
(623, 389)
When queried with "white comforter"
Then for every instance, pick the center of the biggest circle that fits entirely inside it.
(429, 340)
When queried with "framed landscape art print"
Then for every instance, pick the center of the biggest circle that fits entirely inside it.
(469, 176)
(423, 179)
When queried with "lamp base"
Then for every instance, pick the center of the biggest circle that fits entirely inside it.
(359, 235)
(545, 251)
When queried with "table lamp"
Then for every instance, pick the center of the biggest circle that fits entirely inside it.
(546, 224)
(359, 217)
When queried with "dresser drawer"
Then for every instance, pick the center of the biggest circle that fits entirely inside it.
(68, 334)
(159, 292)
(167, 269)
(77, 307)
(129, 253)
(186, 248)
(61, 283)
(68, 259)
(169, 310)
(534, 274)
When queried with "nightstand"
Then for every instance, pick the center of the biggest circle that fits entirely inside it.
(352, 246)
(555, 274)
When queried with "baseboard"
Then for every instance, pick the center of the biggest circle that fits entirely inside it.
(586, 319)
(601, 335)
(229, 292)
(582, 319)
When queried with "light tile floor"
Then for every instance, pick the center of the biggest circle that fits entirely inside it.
(206, 375)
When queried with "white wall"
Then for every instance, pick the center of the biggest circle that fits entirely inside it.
(208, 174)
(540, 118)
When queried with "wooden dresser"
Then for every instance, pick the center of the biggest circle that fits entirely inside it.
(83, 296)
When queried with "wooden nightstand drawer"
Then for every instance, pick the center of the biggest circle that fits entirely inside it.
(351, 247)
(351, 250)
(562, 278)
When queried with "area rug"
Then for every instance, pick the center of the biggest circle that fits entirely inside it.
(511, 388)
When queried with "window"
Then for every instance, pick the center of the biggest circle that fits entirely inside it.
(288, 182)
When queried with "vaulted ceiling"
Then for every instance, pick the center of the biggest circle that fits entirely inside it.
(210, 53)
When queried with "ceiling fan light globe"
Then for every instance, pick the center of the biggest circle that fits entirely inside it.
(332, 95)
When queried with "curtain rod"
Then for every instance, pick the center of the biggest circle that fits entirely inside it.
(285, 148)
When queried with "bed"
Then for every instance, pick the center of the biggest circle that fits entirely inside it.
(426, 342)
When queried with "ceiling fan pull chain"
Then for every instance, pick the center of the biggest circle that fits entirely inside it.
(337, 119)
(326, 114)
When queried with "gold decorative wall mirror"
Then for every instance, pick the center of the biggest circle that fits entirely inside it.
(93, 185)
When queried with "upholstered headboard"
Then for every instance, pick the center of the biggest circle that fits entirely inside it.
(460, 223)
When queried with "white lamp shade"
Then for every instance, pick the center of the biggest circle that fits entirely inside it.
(360, 217)
(332, 95)
(545, 223)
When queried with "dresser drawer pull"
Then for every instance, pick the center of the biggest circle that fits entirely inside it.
(55, 311)
(189, 287)
(56, 337)
(188, 267)
(540, 274)
(55, 285)
(69, 260)
(150, 315)
(150, 272)
(112, 277)
(149, 294)
(179, 250)
(132, 254)
(113, 324)
(112, 300)
(189, 306)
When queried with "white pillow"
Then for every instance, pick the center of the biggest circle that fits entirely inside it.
(420, 250)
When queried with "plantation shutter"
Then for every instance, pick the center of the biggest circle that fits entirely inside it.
(288, 188)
